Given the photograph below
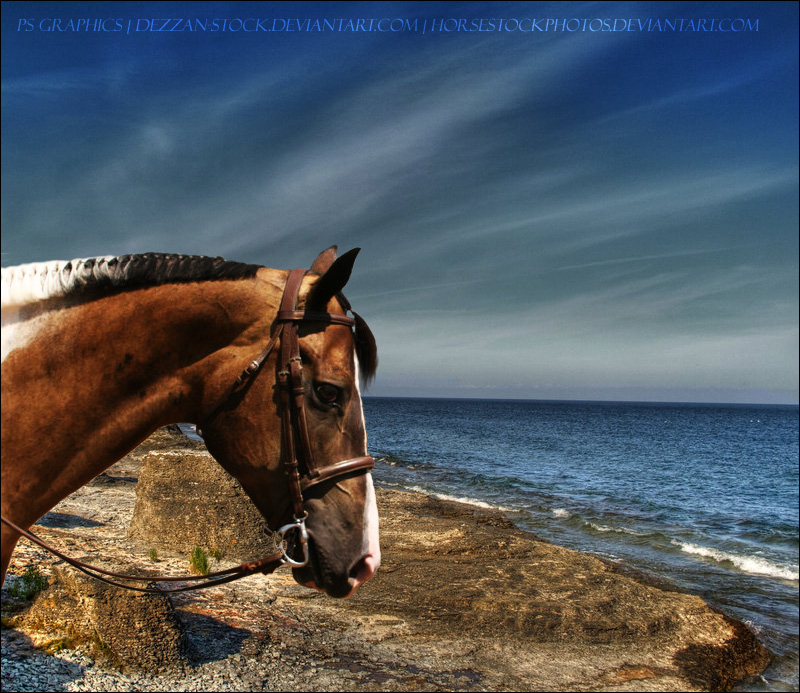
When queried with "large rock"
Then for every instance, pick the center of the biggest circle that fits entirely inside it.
(129, 629)
(185, 499)
(532, 615)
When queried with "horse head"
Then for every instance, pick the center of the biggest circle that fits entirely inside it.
(305, 415)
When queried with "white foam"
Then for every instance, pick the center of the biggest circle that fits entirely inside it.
(618, 530)
(600, 528)
(753, 565)
(561, 513)
(460, 499)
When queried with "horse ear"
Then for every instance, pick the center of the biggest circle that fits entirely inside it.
(332, 282)
(324, 260)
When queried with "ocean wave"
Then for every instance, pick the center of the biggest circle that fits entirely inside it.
(459, 499)
(393, 461)
(618, 530)
(753, 565)
(561, 513)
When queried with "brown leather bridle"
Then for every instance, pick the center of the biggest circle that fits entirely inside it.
(298, 458)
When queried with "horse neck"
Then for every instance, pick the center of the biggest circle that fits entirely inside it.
(99, 377)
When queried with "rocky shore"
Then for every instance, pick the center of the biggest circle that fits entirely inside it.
(463, 601)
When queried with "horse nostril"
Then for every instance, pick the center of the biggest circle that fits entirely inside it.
(363, 570)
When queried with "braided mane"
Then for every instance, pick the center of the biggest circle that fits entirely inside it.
(26, 284)
(40, 281)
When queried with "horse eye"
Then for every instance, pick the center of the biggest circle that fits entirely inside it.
(328, 394)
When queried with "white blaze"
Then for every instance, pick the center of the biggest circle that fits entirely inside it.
(372, 544)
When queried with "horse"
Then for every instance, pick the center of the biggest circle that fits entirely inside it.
(99, 353)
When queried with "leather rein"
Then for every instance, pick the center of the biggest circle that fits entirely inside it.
(298, 459)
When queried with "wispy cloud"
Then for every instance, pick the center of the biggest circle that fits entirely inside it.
(51, 85)
(542, 199)
(638, 259)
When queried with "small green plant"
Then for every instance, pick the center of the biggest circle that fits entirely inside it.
(198, 561)
(58, 645)
(30, 583)
(216, 554)
(153, 554)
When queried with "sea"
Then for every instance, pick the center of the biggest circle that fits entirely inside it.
(702, 495)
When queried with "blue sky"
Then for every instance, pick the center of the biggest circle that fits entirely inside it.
(543, 214)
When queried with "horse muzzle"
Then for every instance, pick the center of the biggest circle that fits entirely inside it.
(318, 574)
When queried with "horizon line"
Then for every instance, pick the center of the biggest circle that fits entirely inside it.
(551, 400)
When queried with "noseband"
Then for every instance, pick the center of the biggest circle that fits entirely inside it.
(298, 459)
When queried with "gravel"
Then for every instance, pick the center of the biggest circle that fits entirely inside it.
(27, 669)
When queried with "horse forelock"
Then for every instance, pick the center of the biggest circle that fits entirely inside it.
(366, 349)
(30, 283)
